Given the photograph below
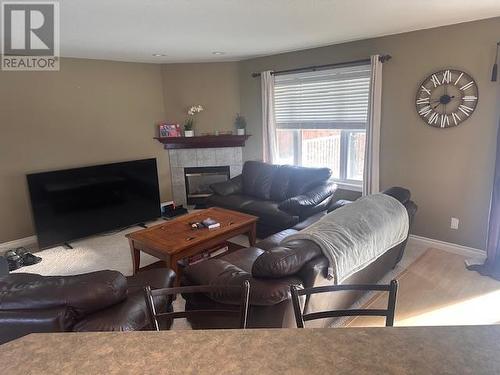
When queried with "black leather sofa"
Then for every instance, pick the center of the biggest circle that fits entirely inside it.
(96, 301)
(271, 269)
(280, 195)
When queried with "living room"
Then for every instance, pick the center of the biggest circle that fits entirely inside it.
(406, 127)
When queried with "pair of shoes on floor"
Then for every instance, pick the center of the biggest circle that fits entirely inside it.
(20, 257)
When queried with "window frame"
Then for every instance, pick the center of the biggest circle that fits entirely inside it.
(343, 157)
(345, 126)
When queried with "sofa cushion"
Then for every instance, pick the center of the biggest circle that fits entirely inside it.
(290, 181)
(243, 258)
(304, 179)
(257, 179)
(130, 315)
(317, 196)
(269, 213)
(279, 186)
(286, 260)
(232, 186)
(156, 278)
(263, 292)
(18, 323)
(232, 202)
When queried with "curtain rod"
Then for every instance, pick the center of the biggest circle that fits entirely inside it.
(382, 58)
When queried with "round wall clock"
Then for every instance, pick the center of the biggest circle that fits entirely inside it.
(447, 98)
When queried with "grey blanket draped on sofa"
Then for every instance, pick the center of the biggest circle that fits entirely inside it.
(355, 235)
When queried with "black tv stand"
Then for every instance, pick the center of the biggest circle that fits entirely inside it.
(68, 246)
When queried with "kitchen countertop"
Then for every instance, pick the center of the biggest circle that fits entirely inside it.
(405, 350)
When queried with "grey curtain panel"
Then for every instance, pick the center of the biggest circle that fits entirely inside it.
(492, 265)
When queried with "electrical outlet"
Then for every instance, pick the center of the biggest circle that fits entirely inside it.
(454, 223)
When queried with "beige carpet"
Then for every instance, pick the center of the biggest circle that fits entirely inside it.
(101, 252)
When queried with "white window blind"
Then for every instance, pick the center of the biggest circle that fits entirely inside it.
(326, 99)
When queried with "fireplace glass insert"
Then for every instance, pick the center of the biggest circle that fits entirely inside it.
(198, 180)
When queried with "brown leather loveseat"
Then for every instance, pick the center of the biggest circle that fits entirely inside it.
(280, 195)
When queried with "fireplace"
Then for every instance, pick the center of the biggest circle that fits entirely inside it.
(198, 180)
(191, 158)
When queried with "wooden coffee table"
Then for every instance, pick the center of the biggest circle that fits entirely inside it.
(174, 240)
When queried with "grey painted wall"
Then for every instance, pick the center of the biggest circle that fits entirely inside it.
(90, 112)
(213, 85)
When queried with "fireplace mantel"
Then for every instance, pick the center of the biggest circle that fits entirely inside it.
(204, 141)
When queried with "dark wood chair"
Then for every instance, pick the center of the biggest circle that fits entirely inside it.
(170, 293)
(300, 317)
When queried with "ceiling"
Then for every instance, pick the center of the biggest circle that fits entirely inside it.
(191, 30)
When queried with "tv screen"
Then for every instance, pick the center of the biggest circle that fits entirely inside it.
(74, 203)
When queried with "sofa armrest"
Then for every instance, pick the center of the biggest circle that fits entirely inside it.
(232, 186)
(314, 272)
(287, 260)
(296, 205)
(83, 294)
(263, 292)
(411, 208)
(401, 194)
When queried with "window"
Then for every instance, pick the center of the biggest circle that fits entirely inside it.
(321, 120)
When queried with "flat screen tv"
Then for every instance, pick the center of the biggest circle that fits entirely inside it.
(74, 203)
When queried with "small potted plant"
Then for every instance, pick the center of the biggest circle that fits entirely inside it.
(188, 127)
(240, 123)
(189, 123)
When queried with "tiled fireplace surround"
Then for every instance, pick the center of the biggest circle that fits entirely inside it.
(201, 157)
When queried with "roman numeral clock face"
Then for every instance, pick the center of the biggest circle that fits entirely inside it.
(447, 98)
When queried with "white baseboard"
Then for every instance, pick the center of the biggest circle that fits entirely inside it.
(26, 242)
(448, 246)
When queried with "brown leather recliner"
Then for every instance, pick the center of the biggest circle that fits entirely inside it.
(271, 269)
(96, 301)
(280, 195)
